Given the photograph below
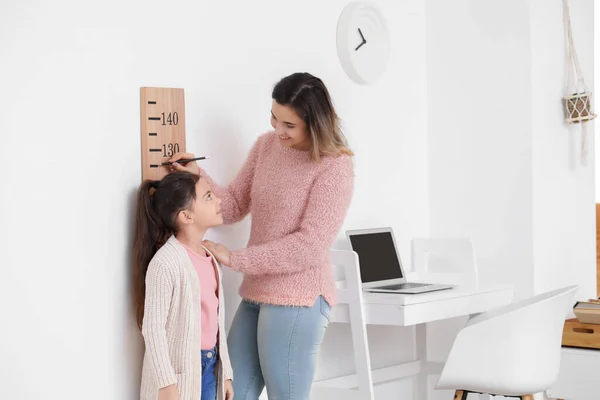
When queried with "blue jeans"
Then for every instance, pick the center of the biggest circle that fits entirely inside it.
(276, 346)
(209, 379)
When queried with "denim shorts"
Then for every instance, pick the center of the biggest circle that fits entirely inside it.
(209, 378)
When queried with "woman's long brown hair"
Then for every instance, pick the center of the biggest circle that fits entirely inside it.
(309, 97)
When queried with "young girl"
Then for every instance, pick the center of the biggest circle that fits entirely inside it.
(178, 292)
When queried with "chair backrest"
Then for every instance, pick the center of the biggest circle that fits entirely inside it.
(555, 303)
(515, 348)
(445, 260)
(350, 295)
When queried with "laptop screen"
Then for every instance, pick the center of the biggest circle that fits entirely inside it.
(377, 256)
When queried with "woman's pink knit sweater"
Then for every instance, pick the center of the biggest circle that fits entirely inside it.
(297, 207)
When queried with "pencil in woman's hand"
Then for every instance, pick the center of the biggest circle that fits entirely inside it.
(184, 161)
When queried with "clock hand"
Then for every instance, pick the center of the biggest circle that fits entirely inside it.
(361, 35)
(364, 41)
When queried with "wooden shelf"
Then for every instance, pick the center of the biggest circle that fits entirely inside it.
(598, 249)
(576, 334)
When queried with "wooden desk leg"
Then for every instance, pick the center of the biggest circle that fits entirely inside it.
(420, 386)
(460, 395)
(527, 397)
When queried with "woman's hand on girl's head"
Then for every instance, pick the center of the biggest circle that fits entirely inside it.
(221, 253)
(191, 166)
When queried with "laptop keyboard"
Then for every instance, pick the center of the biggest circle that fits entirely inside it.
(408, 285)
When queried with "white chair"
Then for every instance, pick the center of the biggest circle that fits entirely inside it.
(445, 260)
(350, 298)
(511, 351)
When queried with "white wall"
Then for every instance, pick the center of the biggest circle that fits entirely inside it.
(479, 124)
(502, 168)
(70, 76)
(564, 214)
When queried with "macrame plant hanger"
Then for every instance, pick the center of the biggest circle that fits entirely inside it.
(577, 98)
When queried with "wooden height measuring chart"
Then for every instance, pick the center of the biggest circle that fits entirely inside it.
(162, 113)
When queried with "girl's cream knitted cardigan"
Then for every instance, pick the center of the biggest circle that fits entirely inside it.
(172, 326)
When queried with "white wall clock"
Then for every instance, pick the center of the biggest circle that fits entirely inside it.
(363, 42)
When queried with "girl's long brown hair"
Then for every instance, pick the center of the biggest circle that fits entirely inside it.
(158, 205)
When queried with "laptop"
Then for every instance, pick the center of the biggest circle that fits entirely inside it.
(380, 265)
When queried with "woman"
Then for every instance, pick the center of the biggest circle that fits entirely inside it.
(178, 292)
(297, 183)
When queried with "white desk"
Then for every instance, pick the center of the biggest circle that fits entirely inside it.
(413, 309)
(416, 310)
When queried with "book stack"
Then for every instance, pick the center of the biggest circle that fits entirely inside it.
(588, 312)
